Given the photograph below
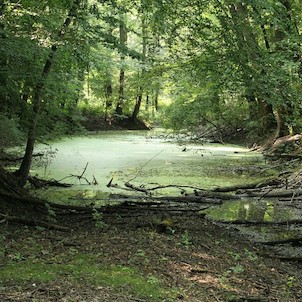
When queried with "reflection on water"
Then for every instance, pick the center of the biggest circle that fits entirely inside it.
(252, 210)
(275, 216)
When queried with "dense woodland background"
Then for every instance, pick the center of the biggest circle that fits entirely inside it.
(229, 68)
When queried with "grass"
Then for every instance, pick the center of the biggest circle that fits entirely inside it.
(80, 267)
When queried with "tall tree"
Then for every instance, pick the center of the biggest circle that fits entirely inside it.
(23, 171)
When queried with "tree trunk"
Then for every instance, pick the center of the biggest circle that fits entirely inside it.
(282, 128)
(3, 63)
(268, 120)
(137, 105)
(23, 171)
(119, 106)
(108, 95)
(143, 71)
(123, 42)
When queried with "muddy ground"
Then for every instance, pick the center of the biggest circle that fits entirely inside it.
(194, 258)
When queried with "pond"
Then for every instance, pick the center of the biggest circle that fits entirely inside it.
(145, 158)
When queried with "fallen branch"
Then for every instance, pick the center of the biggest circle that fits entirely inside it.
(135, 188)
(79, 177)
(249, 299)
(185, 197)
(235, 188)
(209, 198)
(47, 225)
(284, 241)
(287, 258)
(289, 222)
(41, 183)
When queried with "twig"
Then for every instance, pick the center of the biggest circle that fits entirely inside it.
(79, 177)
(84, 171)
(175, 186)
(141, 168)
(95, 182)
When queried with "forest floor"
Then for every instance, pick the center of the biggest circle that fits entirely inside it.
(125, 258)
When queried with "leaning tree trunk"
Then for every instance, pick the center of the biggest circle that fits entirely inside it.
(23, 171)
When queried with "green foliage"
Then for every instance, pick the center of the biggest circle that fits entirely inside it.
(256, 62)
(216, 63)
(290, 283)
(10, 133)
(51, 213)
(185, 239)
(98, 219)
(223, 114)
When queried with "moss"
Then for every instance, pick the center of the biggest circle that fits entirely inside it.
(83, 267)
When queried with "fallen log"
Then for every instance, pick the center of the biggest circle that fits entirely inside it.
(248, 186)
(273, 193)
(235, 188)
(209, 198)
(30, 222)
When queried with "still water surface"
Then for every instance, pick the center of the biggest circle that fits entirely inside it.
(146, 157)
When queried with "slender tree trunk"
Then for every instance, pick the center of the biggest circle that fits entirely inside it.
(123, 42)
(138, 103)
(108, 95)
(23, 171)
(139, 97)
(3, 63)
(121, 92)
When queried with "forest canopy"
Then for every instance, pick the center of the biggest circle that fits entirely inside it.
(232, 67)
